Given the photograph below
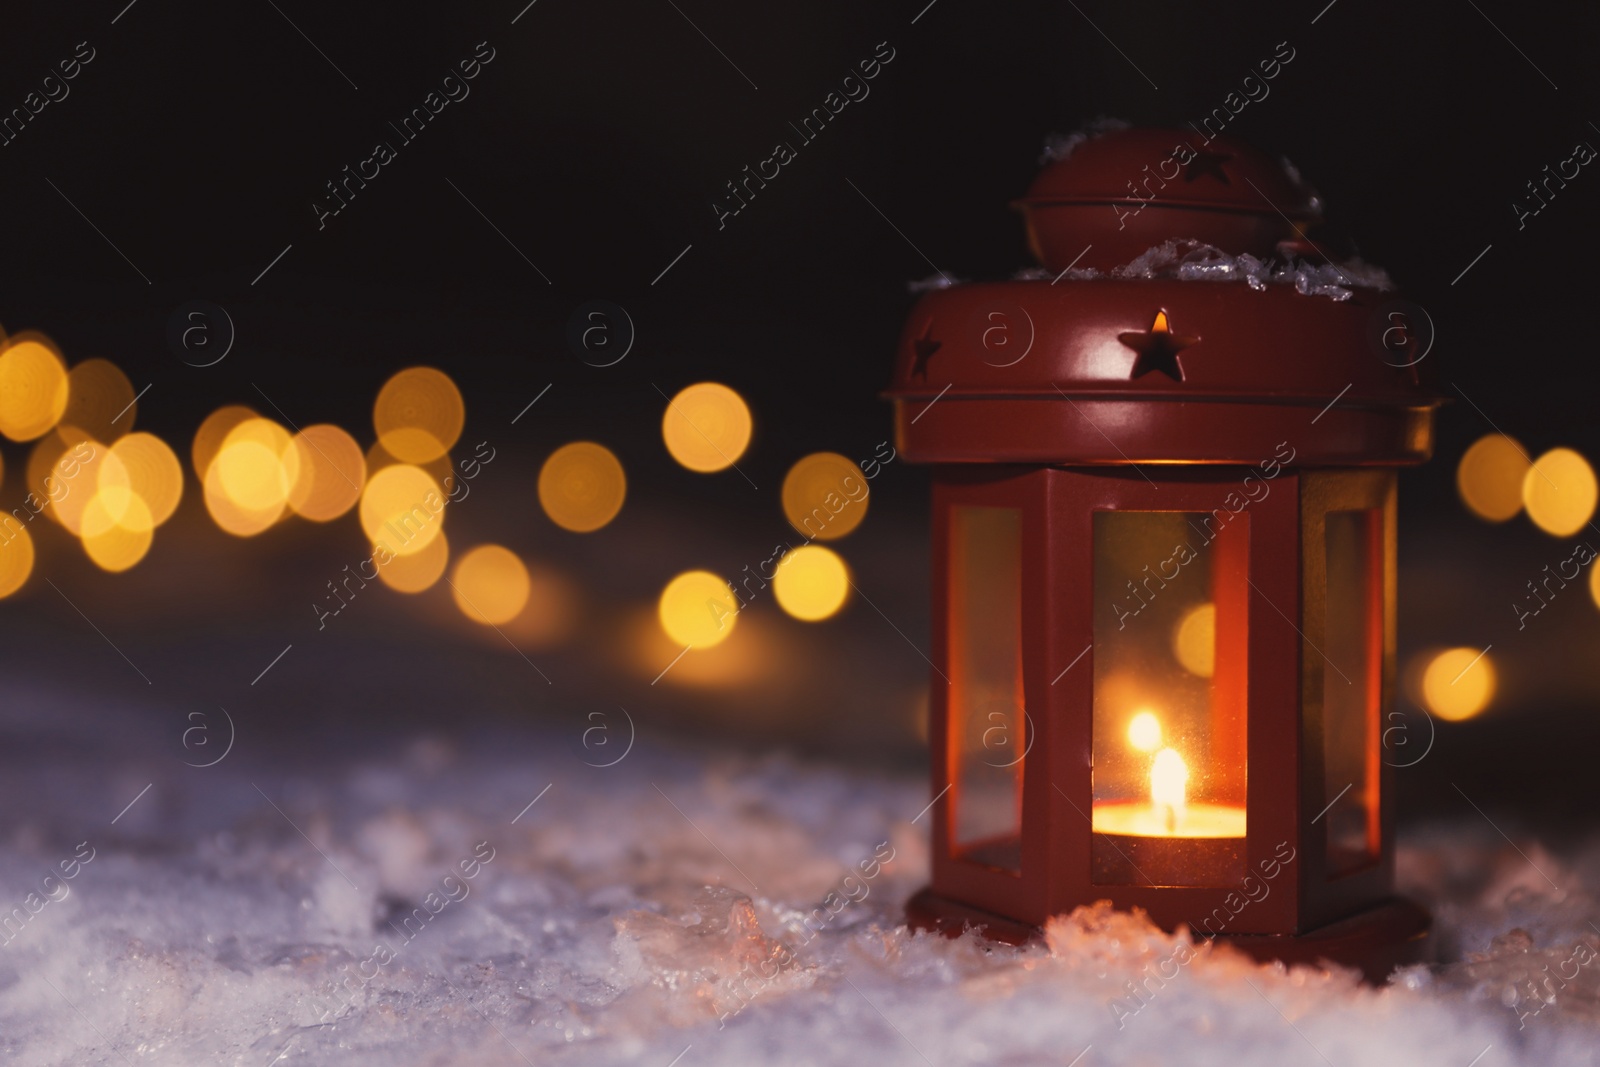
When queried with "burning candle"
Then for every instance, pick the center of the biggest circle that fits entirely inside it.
(1169, 778)
(1167, 839)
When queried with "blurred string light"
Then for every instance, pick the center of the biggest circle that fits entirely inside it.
(582, 486)
(258, 465)
(402, 509)
(1559, 492)
(1594, 585)
(418, 415)
(117, 530)
(1458, 683)
(490, 585)
(98, 393)
(147, 468)
(16, 557)
(697, 609)
(214, 430)
(419, 570)
(79, 468)
(811, 583)
(53, 469)
(33, 388)
(1489, 477)
(1194, 642)
(229, 517)
(332, 473)
(706, 427)
(247, 484)
(824, 496)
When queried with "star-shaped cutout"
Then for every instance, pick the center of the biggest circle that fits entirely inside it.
(1158, 349)
(923, 348)
(1207, 164)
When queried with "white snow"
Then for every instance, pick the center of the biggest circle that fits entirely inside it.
(726, 909)
(1058, 146)
(1195, 261)
(932, 283)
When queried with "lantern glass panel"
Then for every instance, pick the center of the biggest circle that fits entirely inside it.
(1171, 592)
(987, 725)
(1352, 683)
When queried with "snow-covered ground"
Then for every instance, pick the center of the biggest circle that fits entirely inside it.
(408, 906)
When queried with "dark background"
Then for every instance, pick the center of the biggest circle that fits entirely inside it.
(596, 140)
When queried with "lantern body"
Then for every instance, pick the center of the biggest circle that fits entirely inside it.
(1050, 655)
(1163, 598)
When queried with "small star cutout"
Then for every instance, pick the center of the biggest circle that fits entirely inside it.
(923, 348)
(1207, 164)
(1158, 349)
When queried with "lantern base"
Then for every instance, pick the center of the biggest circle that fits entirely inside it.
(1375, 941)
(929, 911)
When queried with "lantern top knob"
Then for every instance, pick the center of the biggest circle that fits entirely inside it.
(1183, 316)
(1119, 191)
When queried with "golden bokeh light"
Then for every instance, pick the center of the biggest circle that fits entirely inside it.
(1559, 492)
(1594, 585)
(1489, 477)
(16, 556)
(697, 609)
(582, 486)
(332, 472)
(1144, 731)
(419, 414)
(148, 468)
(97, 393)
(54, 469)
(257, 466)
(706, 427)
(490, 585)
(1458, 683)
(117, 530)
(824, 496)
(228, 515)
(33, 388)
(212, 432)
(1195, 640)
(402, 509)
(811, 583)
(419, 570)
(249, 471)
(90, 463)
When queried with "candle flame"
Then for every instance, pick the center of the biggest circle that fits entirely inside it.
(1160, 325)
(1169, 777)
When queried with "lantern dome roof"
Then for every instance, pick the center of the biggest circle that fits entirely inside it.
(1110, 194)
(1199, 326)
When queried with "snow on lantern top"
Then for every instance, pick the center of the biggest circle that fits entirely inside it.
(1192, 320)
(1105, 198)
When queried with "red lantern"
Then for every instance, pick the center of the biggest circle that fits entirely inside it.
(1164, 560)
